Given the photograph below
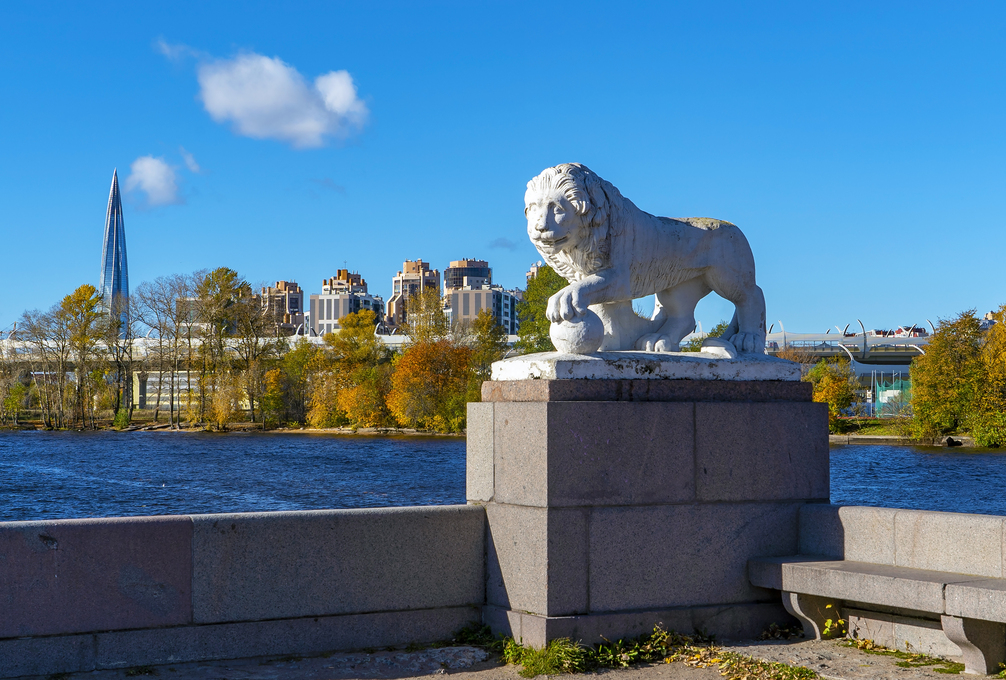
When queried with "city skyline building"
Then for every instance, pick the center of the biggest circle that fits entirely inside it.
(284, 303)
(469, 272)
(415, 276)
(469, 289)
(114, 282)
(345, 293)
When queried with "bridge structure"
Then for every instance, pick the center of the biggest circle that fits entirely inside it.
(860, 348)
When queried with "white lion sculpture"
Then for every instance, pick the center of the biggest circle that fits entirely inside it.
(611, 252)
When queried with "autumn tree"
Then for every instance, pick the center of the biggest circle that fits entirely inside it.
(47, 337)
(834, 384)
(299, 368)
(82, 312)
(533, 331)
(255, 340)
(429, 385)
(273, 399)
(488, 342)
(948, 379)
(425, 317)
(352, 388)
(989, 418)
(220, 295)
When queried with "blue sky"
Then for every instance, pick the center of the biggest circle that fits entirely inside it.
(860, 146)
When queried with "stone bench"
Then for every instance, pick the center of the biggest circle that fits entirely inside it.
(929, 581)
(972, 611)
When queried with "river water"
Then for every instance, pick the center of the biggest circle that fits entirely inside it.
(48, 475)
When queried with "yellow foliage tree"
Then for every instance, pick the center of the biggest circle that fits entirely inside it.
(429, 386)
(835, 385)
(353, 377)
(989, 420)
(272, 399)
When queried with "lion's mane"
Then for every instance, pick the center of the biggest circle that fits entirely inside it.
(591, 196)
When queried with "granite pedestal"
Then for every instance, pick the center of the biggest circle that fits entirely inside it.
(617, 502)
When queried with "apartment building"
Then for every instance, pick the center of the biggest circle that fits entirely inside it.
(284, 303)
(345, 293)
(469, 289)
(415, 275)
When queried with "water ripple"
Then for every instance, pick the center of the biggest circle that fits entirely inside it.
(45, 475)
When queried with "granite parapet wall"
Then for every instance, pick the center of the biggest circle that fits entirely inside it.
(85, 594)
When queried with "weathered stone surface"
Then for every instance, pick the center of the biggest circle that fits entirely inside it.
(643, 366)
(537, 559)
(758, 452)
(877, 584)
(521, 453)
(920, 635)
(854, 533)
(314, 635)
(646, 390)
(560, 454)
(620, 453)
(979, 599)
(479, 468)
(289, 564)
(949, 541)
(683, 555)
(982, 643)
(71, 576)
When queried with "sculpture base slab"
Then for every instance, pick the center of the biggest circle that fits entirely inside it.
(613, 505)
(644, 366)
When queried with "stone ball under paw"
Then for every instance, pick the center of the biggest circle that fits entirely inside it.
(582, 335)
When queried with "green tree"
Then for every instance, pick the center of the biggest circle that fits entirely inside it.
(695, 344)
(488, 345)
(989, 419)
(300, 367)
(273, 397)
(948, 379)
(533, 331)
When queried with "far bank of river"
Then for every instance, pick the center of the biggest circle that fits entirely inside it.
(48, 475)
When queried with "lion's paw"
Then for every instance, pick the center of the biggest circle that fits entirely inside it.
(655, 342)
(748, 343)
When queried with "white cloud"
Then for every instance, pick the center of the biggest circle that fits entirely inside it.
(178, 51)
(155, 178)
(190, 161)
(266, 98)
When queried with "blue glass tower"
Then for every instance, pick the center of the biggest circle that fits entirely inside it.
(114, 285)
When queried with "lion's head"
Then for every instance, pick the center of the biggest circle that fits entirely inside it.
(567, 210)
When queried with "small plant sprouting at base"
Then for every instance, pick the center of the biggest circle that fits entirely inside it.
(909, 659)
(566, 656)
(834, 627)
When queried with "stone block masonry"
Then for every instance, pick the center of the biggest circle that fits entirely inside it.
(80, 595)
(641, 502)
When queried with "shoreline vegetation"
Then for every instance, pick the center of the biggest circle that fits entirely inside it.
(213, 356)
(220, 361)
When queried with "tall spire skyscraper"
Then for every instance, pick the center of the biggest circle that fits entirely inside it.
(114, 285)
